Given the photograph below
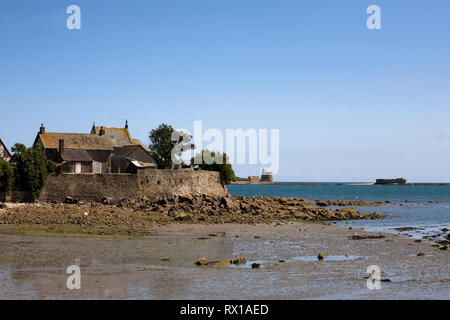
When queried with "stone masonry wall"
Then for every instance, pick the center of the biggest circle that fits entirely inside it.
(95, 187)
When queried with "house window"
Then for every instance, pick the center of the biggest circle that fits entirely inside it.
(77, 167)
(96, 167)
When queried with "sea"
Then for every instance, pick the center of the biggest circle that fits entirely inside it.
(423, 209)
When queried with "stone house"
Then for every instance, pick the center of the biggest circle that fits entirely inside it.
(4, 153)
(103, 150)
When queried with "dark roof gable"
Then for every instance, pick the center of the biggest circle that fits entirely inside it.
(4, 154)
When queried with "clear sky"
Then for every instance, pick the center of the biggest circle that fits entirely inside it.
(351, 104)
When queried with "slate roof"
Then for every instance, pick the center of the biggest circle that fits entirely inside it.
(139, 142)
(119, 136)
(76, 155)
(86, 141)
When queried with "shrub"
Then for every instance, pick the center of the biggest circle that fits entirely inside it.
(227, 174)
(6, 177)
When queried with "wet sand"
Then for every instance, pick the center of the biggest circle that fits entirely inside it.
(158, 263)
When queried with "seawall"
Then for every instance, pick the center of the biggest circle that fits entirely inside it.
(95, 187)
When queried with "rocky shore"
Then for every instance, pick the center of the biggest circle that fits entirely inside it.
(202, 209)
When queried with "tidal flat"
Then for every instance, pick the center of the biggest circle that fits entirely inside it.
(158, 262)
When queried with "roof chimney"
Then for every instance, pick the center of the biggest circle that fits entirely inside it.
(61, 147)
(42, 129)
(102, 131)
(93, 129)
(126, 124)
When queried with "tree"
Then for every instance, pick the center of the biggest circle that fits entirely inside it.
(30, 169)
(207, 160)
(168, 145)
(6, 177)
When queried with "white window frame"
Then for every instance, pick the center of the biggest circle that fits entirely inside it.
(78, 167)
(96, 167)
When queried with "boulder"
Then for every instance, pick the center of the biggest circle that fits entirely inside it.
(321, 256)
(179, 215)
(222, 264)
(201, 261)
(186, 198)
(227, 202)
(241, 260)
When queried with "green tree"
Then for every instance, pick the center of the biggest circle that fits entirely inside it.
(6, 177)
(30, 169)
(215, 161)
(168, 144)
(51, 167)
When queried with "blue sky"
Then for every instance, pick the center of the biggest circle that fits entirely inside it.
(351, 104)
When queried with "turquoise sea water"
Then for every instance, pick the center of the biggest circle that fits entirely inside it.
(428, 218)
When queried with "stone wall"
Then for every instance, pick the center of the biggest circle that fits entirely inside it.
(95, 187)
(16, 196)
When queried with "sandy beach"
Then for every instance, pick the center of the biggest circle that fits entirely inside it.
(158, 263)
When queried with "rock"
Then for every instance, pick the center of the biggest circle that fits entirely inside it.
(222, 264)
(70, 200)
(388, 201)
(107, 200)
(421, 254)
(256, 265)
(321, 204)
(186, 198)
(162, 201)
(227, 202)
(445, 248)
(201, 261)
(401, 229)
(241, 260)
(321, 256)
(360, 237)
(447, 237)
(179, 215)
